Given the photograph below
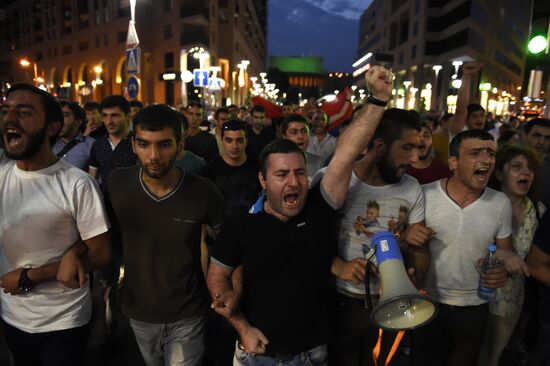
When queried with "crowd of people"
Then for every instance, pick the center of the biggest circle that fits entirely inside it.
(234, 239)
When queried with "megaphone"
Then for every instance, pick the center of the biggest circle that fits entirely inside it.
(401, 306)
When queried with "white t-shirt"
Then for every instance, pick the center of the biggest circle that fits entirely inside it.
(42, 213)
(462, 237)
(399, 205)
(324, 148)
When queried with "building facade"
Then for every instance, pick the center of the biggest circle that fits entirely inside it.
(78, 47)
(428, 41)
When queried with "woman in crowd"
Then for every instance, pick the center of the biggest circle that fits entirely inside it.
(514, 175)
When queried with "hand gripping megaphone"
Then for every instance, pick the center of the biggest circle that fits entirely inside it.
(401, 306)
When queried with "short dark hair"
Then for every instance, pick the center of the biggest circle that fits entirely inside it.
(194, 103)
(220, 110)
(294, 117)
(506, 136)
(91, 106)
(52, 110)
(279, 146)
(392, 124)
(158, 116)
(474, 107)
(113, 101)
(136, 103)
(541, 122)
(258, 109)
(76, 110)
(454, 146)
(235, 125)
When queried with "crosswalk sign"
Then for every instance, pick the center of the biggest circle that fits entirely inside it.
(200, 77)
(132, 60)
(215, 84)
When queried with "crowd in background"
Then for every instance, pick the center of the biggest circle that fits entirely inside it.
(170, 188)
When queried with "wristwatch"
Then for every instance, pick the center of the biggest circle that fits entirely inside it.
(372, 100)
(25, 283)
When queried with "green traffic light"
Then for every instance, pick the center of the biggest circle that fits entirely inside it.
(537, 44)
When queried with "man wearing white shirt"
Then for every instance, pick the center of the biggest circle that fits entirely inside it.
(46, 205)
(466, 217)
(321, 142)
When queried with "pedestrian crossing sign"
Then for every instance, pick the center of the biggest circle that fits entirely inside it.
(132, 60)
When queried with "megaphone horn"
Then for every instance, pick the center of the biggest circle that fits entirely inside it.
(401, 306)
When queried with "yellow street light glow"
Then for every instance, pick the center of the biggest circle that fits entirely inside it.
(169, 76)
(40, 79)
(98, 69)
(24, 62)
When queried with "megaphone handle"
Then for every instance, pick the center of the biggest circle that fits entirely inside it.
(368, 300)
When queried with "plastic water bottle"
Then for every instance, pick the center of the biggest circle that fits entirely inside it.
(489, 262)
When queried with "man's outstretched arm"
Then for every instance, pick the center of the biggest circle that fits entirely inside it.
(357, 136)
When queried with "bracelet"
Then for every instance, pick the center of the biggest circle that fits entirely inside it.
(376, 101)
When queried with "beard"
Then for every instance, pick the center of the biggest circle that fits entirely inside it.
(425, 156)
(387, 170)
(34, 144)
(158, 173)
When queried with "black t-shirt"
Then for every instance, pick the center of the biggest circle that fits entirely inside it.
(163, 279)
(104, 158)
(256, 143)
(286, 268)
(239, 185)
(542, 241)
(204, 145)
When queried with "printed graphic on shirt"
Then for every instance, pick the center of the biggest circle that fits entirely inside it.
(361, 221)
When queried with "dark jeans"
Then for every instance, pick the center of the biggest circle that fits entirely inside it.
(453, 338)
(353, 335)
(57, 348)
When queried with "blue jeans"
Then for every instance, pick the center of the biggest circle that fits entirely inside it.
(180, 343)
(314, 357)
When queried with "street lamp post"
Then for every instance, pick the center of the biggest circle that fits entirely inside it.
(242, 79)
(26, 63)
(436, 68)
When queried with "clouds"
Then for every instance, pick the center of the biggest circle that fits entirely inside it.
(297, 15)
(298, 27)
(350, 9)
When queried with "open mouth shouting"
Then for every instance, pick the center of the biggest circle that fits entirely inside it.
(12, 136)
(524, 184)
(291, 199)
(482, 173)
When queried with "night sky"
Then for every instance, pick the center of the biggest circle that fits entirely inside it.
(328, 28)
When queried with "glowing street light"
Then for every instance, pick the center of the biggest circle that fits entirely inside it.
(26, 63)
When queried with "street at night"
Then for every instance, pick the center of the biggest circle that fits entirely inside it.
(274, 182)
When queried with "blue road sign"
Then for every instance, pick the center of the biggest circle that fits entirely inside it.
(200, 77)
(132, 60)
(133, 87)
